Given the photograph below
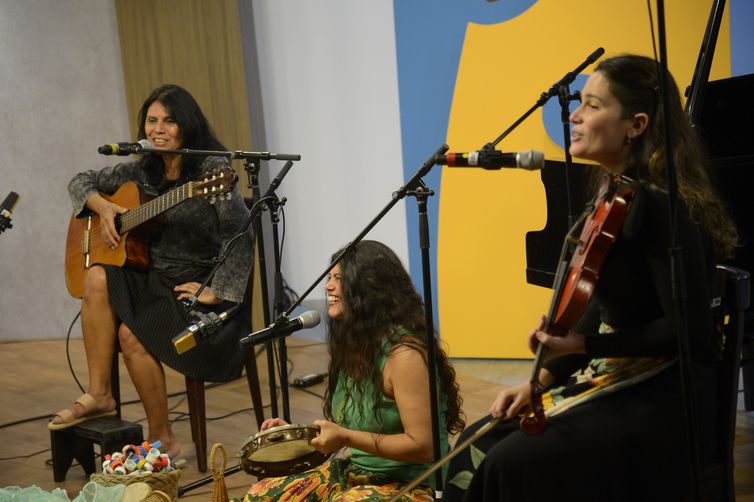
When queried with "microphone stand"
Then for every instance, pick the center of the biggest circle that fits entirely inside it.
(545, 96)
(252, 170)
(678, 285)
(416, 187)
(564, 98)
(249, 157)
(274, 206)
(237, 154)
(421, 192)
(560, 89)
(251, 165)
(269, 198)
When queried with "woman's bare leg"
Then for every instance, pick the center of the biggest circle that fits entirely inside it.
(149, 379)
(99, 327)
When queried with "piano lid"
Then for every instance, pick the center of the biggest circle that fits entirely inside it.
(727, 127)
(543, 246)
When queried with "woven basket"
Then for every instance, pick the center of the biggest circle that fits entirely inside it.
(219, 490)
(163, 481)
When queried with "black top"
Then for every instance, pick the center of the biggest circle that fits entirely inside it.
(634, 296)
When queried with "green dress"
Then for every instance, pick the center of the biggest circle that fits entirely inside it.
(360, 475)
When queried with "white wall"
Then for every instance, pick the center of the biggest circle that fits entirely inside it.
(330, 92)
(61, 95)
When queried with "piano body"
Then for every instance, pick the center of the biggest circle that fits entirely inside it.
(726, 124)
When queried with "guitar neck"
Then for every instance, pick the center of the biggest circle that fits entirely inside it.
(135, 217)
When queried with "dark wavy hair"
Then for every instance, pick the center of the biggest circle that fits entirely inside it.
(194, 130)
(378, 296)
(633, 80)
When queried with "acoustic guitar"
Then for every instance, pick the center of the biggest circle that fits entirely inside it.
(86, 246)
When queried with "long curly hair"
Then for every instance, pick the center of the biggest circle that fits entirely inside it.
(633, 80)
(194, 130)
(378, 296)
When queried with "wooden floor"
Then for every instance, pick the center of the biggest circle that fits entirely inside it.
(37, 381)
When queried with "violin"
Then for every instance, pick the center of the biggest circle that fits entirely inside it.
(576, 279)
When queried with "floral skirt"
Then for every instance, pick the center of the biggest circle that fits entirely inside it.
(335, 480)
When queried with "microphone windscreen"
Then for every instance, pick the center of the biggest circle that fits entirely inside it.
(145, 143)
(309, 319)
(9, 203)
(532, 160)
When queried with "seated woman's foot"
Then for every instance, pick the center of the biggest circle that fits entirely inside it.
(85, 408)
(172, 447)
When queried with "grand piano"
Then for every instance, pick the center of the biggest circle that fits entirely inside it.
(726, 124)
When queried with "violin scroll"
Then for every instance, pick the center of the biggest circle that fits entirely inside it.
(533, 421)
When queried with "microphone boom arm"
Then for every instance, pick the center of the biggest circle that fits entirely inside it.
(412, 184)
(545, 96)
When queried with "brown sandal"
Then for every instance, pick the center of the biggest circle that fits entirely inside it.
(89, 405)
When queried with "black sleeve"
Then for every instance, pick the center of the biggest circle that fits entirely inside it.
(658, 338)
(564, 366)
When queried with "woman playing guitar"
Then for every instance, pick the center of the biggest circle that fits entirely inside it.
(609, 380)
(140, 309)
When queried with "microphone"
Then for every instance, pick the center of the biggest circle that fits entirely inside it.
(279, 178)
(6, 209)
(531, 160)
(125, 148)
(282, 328)
(200, 331)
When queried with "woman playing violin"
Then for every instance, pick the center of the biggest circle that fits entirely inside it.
(616, 426)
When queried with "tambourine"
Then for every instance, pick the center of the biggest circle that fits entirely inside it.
(281, 451)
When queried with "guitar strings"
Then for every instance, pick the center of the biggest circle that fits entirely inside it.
(139, 215)
(136, 216)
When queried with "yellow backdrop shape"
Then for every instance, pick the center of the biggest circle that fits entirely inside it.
(486, 308)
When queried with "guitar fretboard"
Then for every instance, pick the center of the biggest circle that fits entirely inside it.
(128, 221)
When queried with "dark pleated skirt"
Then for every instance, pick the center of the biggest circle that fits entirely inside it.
(146, 303)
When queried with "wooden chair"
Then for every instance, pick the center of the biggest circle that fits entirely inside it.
(195, 395)
(717, 477)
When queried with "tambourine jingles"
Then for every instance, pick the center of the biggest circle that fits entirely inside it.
(281, 451)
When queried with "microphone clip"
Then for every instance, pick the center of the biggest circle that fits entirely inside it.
(205, 325)
(208, 323)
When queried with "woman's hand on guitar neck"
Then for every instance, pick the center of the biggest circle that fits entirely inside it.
(107, 212)
(188, 289)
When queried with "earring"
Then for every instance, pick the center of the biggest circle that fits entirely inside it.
(627, 140)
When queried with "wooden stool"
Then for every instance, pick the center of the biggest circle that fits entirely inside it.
(110, 433)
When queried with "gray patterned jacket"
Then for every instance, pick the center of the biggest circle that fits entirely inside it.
(194, 233)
